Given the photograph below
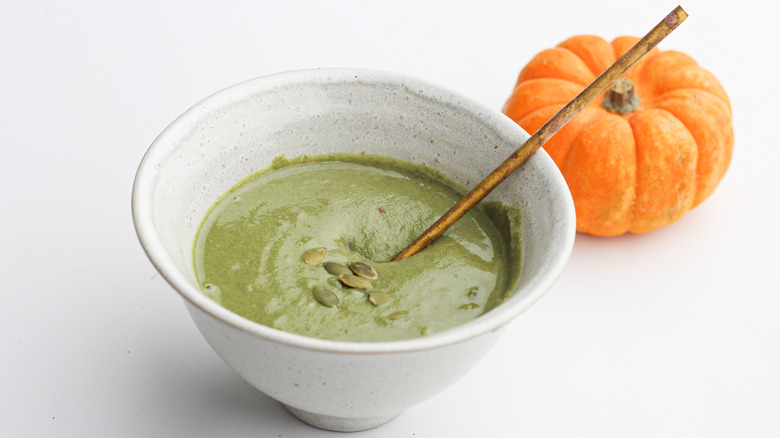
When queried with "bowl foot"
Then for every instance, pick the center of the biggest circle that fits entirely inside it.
(340, 424)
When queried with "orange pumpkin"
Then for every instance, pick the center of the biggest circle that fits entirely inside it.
(631, 165)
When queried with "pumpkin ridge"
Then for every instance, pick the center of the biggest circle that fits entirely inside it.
(666, 158)
(632, 210)
(593, 50)
(690, 132)
(603, 190)
(554, 63)
(708, 119)
(652, 103)
(594, 74)
(659, 66)
(529, 95)
(691, 76)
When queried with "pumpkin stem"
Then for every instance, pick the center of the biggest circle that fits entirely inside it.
(620, 97)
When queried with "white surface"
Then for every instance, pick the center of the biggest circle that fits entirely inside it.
(672, 333)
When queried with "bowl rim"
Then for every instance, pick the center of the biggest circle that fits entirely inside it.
(492, 320)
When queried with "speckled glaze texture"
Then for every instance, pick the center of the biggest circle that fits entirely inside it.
(334, 385)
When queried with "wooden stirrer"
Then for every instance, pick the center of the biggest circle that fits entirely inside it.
(540, 137)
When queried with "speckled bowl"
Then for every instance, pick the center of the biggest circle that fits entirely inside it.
(344, 386)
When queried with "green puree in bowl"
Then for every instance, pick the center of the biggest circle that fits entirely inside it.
(249, 251)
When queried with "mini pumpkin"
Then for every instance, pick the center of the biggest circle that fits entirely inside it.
(651, 148)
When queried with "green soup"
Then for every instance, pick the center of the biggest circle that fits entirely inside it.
(249, 251)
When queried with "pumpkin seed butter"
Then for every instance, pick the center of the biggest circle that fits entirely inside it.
(305, 247)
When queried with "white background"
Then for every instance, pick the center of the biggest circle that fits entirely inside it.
(673, 333)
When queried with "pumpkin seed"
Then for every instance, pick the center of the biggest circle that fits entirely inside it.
(314, 256)
(378, 298)
(473, 293)
(336, 268)
(469, 306)
(355, 282)
(325, 297)
(363, 270)
(397, 315)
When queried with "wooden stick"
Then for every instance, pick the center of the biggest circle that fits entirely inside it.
(540, 137)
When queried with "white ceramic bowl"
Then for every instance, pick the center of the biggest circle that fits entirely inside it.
(334, 385)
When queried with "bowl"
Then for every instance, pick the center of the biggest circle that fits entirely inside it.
(335, 385)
